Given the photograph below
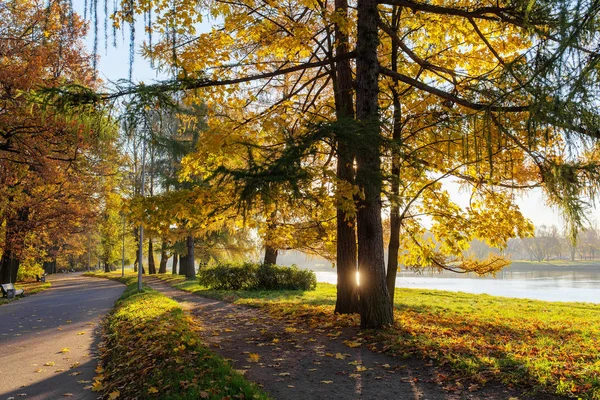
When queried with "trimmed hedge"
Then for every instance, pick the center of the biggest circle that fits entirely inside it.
(252, 276)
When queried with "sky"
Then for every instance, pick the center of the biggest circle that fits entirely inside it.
(114, 65)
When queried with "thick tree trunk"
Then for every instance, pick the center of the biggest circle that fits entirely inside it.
(9, 267)
(151, 263)
(190, 272)
(174, 267)
(395, 222)
(270, 255)
(375, 306)
(347, 288)
(163, 258)
(15, 230)
(106, 266)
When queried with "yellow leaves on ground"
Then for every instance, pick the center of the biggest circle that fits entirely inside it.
(253, 357)
(50, 364)
(352, 343)
(152, 390)
(114, 395)
(64, 350)
(97, 386)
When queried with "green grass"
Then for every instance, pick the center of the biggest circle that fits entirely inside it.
(534, 345)
(29, 288)
(153, 351)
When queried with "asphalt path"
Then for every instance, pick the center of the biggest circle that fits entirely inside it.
(48, 341)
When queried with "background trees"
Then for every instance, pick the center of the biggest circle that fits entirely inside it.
(50, 162)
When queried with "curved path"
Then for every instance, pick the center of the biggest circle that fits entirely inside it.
(48, 340)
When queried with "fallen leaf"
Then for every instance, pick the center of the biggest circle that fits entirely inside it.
(50, 364)
(97, 386)
(81, 333)
(114, 395)
(204, 395)
(360, 368)
(340, 356)
(352, 344)
(253, 357)
(67, 394)
(152, 390)
(64, 350)
(327, 382)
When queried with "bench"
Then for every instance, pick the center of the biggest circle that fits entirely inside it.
(9, 291)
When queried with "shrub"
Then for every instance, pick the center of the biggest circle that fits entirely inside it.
(250, 276)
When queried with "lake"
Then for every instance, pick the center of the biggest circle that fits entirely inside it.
(541, 281)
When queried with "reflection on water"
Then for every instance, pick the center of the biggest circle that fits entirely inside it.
(522, 280)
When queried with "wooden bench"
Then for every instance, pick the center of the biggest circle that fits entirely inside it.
(9, 291)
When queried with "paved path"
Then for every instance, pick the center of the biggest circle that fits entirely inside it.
(48, 340)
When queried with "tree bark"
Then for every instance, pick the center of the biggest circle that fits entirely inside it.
(375, 306)
(106, 266)
(190, 272)
(163, 258)
(151, 263)
(183, 265)
(395, 222)
(9, 267)
(347, 288)
(270, 255)
(174, 267)
(15, 229)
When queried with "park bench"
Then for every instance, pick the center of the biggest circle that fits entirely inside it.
(9, 291)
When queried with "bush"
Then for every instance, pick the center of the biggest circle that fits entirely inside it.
(229, 276)
(250, 276)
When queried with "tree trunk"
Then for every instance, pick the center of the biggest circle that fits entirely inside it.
(270, 255)
(394, 244)
(375, 306)
(347, 289)
(163, 258)
(183, 264)
(15, 230)
(174, 268)
(151, 263)
(190, 272)
(9, 267)
(106, 266)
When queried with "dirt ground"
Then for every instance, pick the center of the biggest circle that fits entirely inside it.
(293, 362)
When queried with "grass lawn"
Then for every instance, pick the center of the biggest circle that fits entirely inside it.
(536, 345)
(29, 288)
(152, 351)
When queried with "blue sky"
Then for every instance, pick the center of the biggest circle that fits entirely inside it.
(114, 65)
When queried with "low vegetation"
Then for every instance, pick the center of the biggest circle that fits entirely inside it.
(473, 339)
(152, 351)
(253, 276)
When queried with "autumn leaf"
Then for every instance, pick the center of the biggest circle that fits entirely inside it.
(64, 350)
(352, 344)
(326, 382)
(114, 395)
(339, 356)
(152, 390)
(253, 357)
(97, 386)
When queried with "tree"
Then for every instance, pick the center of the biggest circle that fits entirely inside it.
(509, 97)
(48, 159)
